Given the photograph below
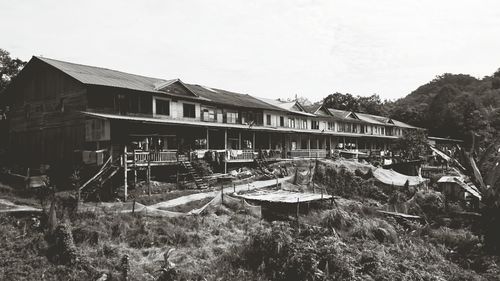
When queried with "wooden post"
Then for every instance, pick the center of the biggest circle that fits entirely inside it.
(177, 175)
(239, 140)
(135, 177)
(308, 146)
(222, 193)
(149, 174)
(208, 140)
(234, 188)
(134, 165)
(225, 152)
(111, 152)
(270, 147)
(298, 210)
(225, 139)
(133, 206)
(125, 171)
(27, 181)
(253, 141)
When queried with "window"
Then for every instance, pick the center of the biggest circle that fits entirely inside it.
(304, 124)
(162, 107)
(314, 125)
(291, 123)
(282, 121)
(331, 126)
(340, 127)
(354, 128)
(268, 119)
(208, 114)
(189, 110)
(231, 117)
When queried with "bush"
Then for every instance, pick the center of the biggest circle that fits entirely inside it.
(375, 229)
(339, 220)
(460, 240)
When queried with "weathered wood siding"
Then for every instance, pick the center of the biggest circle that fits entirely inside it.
(45, 123)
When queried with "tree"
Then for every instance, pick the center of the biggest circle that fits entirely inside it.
(372, 105)
(413, 144)
(9, 68)
(341, 101)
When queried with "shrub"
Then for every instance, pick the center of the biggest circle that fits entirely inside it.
(339, 220)
(460, 240)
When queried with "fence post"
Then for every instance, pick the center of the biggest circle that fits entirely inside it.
(222, 194)
(298, 224)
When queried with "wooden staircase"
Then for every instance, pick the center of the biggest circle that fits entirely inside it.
(200, 183)
(262, 164)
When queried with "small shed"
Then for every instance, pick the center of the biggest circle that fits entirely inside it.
(456, 189)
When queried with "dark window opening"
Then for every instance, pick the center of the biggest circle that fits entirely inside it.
(268, 119)
(189, 110)
(162, 107)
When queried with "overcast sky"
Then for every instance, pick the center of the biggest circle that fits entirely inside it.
(265, 48)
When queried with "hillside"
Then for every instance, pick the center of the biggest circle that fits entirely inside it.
(453, 105)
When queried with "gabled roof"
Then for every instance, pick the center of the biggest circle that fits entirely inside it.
(229, 98)
(287, 105)
(343, 114)
(364, 117)
(378, 120)
(105, 77)
(92, 75)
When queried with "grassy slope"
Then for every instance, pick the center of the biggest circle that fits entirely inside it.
(226, 244)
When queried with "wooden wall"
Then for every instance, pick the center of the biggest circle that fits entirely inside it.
(45, 123)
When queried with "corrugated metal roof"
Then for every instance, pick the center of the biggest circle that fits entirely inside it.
(230, 98)
(288, 106)
(370, 118)
(105, 77)
(466, 186)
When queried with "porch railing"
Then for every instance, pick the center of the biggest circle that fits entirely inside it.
(142, 157)
(308, 153)
(270, 154)
(235, 154)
